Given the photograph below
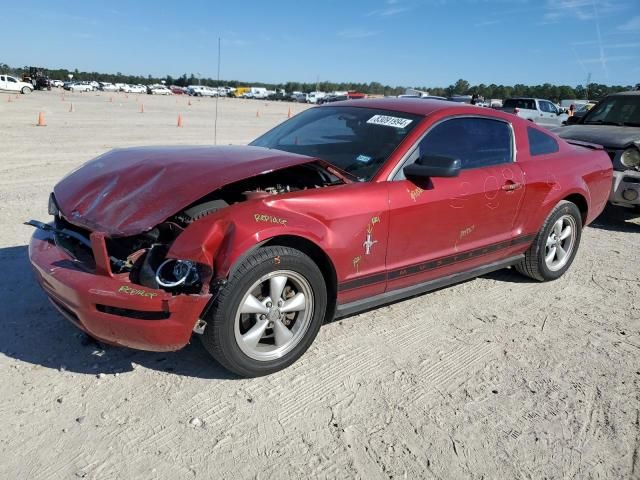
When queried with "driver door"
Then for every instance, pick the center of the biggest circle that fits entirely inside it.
(444, 226)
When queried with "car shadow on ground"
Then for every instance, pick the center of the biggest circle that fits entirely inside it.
(34, 332)
(618, 219)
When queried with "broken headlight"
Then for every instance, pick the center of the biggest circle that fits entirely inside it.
(630, 158)
(175, 273)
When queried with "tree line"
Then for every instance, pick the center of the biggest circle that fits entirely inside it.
(593, 91)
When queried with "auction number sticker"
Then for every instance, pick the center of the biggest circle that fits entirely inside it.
(388, 121)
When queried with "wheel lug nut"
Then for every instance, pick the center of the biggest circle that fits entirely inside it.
(269, 304)
(263, 317)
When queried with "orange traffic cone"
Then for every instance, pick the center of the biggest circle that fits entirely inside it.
(289, 113)
(71, 108)
(142, 108)
(41, 122)
(9, 98)
(189, 102)
(111, 99)
(257, 113)
(179, 121)
(17, 96)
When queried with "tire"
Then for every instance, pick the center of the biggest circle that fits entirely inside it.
(543, 261)
(270, 348)
(26, 90)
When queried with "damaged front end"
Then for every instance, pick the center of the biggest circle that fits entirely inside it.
(140, 268)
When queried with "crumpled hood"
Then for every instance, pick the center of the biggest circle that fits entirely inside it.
(131, 190)
(609, 136)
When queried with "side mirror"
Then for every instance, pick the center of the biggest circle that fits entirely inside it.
(433, 166)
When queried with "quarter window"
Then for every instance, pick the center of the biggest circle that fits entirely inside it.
(540, 143)
(476, 142)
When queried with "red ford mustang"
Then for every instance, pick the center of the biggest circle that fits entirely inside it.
(342, 208)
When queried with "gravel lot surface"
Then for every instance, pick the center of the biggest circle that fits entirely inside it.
(497, 377)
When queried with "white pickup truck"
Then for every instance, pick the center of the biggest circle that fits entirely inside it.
(12, 84)
(537, 110)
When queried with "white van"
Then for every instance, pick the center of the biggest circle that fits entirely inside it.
(256, 92)
(313, 97)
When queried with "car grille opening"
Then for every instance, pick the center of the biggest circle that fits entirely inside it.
(137, 314)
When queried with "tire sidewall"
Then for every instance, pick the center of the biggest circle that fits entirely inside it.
(224, 313)
(564, 208)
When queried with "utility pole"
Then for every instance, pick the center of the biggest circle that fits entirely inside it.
(587, 86)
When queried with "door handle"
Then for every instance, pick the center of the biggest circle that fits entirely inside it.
(511, 186)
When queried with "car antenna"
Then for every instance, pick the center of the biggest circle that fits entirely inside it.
(215, 122)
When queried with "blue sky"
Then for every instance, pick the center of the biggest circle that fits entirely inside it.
(396, 42)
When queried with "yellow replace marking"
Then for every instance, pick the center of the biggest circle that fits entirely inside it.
(356, 263)
(467, 231)
(415, 193)
(135, 291)
(261, 217)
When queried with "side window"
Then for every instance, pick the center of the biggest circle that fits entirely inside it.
(540, 143)
(476, 142)
(11, 79)
(547, 107)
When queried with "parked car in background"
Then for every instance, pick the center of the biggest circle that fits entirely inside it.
(340, 209)
(107, 87)
(57, 83)
(13, 85)
(333, 97)
(614, 123)
(537, 110)
(158, 90)
(313, 97)
(134, 89)
(279, 96)
(202, 91)
(79, 87)
(300, 97)
(176, 90)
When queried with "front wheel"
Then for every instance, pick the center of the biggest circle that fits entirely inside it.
(268, 313)
(555, 245)
(26, 90)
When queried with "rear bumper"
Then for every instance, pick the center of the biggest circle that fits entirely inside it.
(84, 298)
(624, 183)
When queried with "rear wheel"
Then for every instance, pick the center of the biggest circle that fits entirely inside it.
(268, 313)
(556, 244)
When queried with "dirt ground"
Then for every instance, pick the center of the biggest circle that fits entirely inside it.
(498, 377)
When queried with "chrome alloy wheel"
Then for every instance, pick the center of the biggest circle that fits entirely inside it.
(274, 315)
(560, 243)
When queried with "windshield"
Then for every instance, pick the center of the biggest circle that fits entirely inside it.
(623, 110)
(356, 140)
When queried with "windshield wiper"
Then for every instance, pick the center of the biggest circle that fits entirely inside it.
(602, 122)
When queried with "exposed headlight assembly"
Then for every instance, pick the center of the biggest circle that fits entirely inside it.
(175, 273)
(53, 207)
(630, 158)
